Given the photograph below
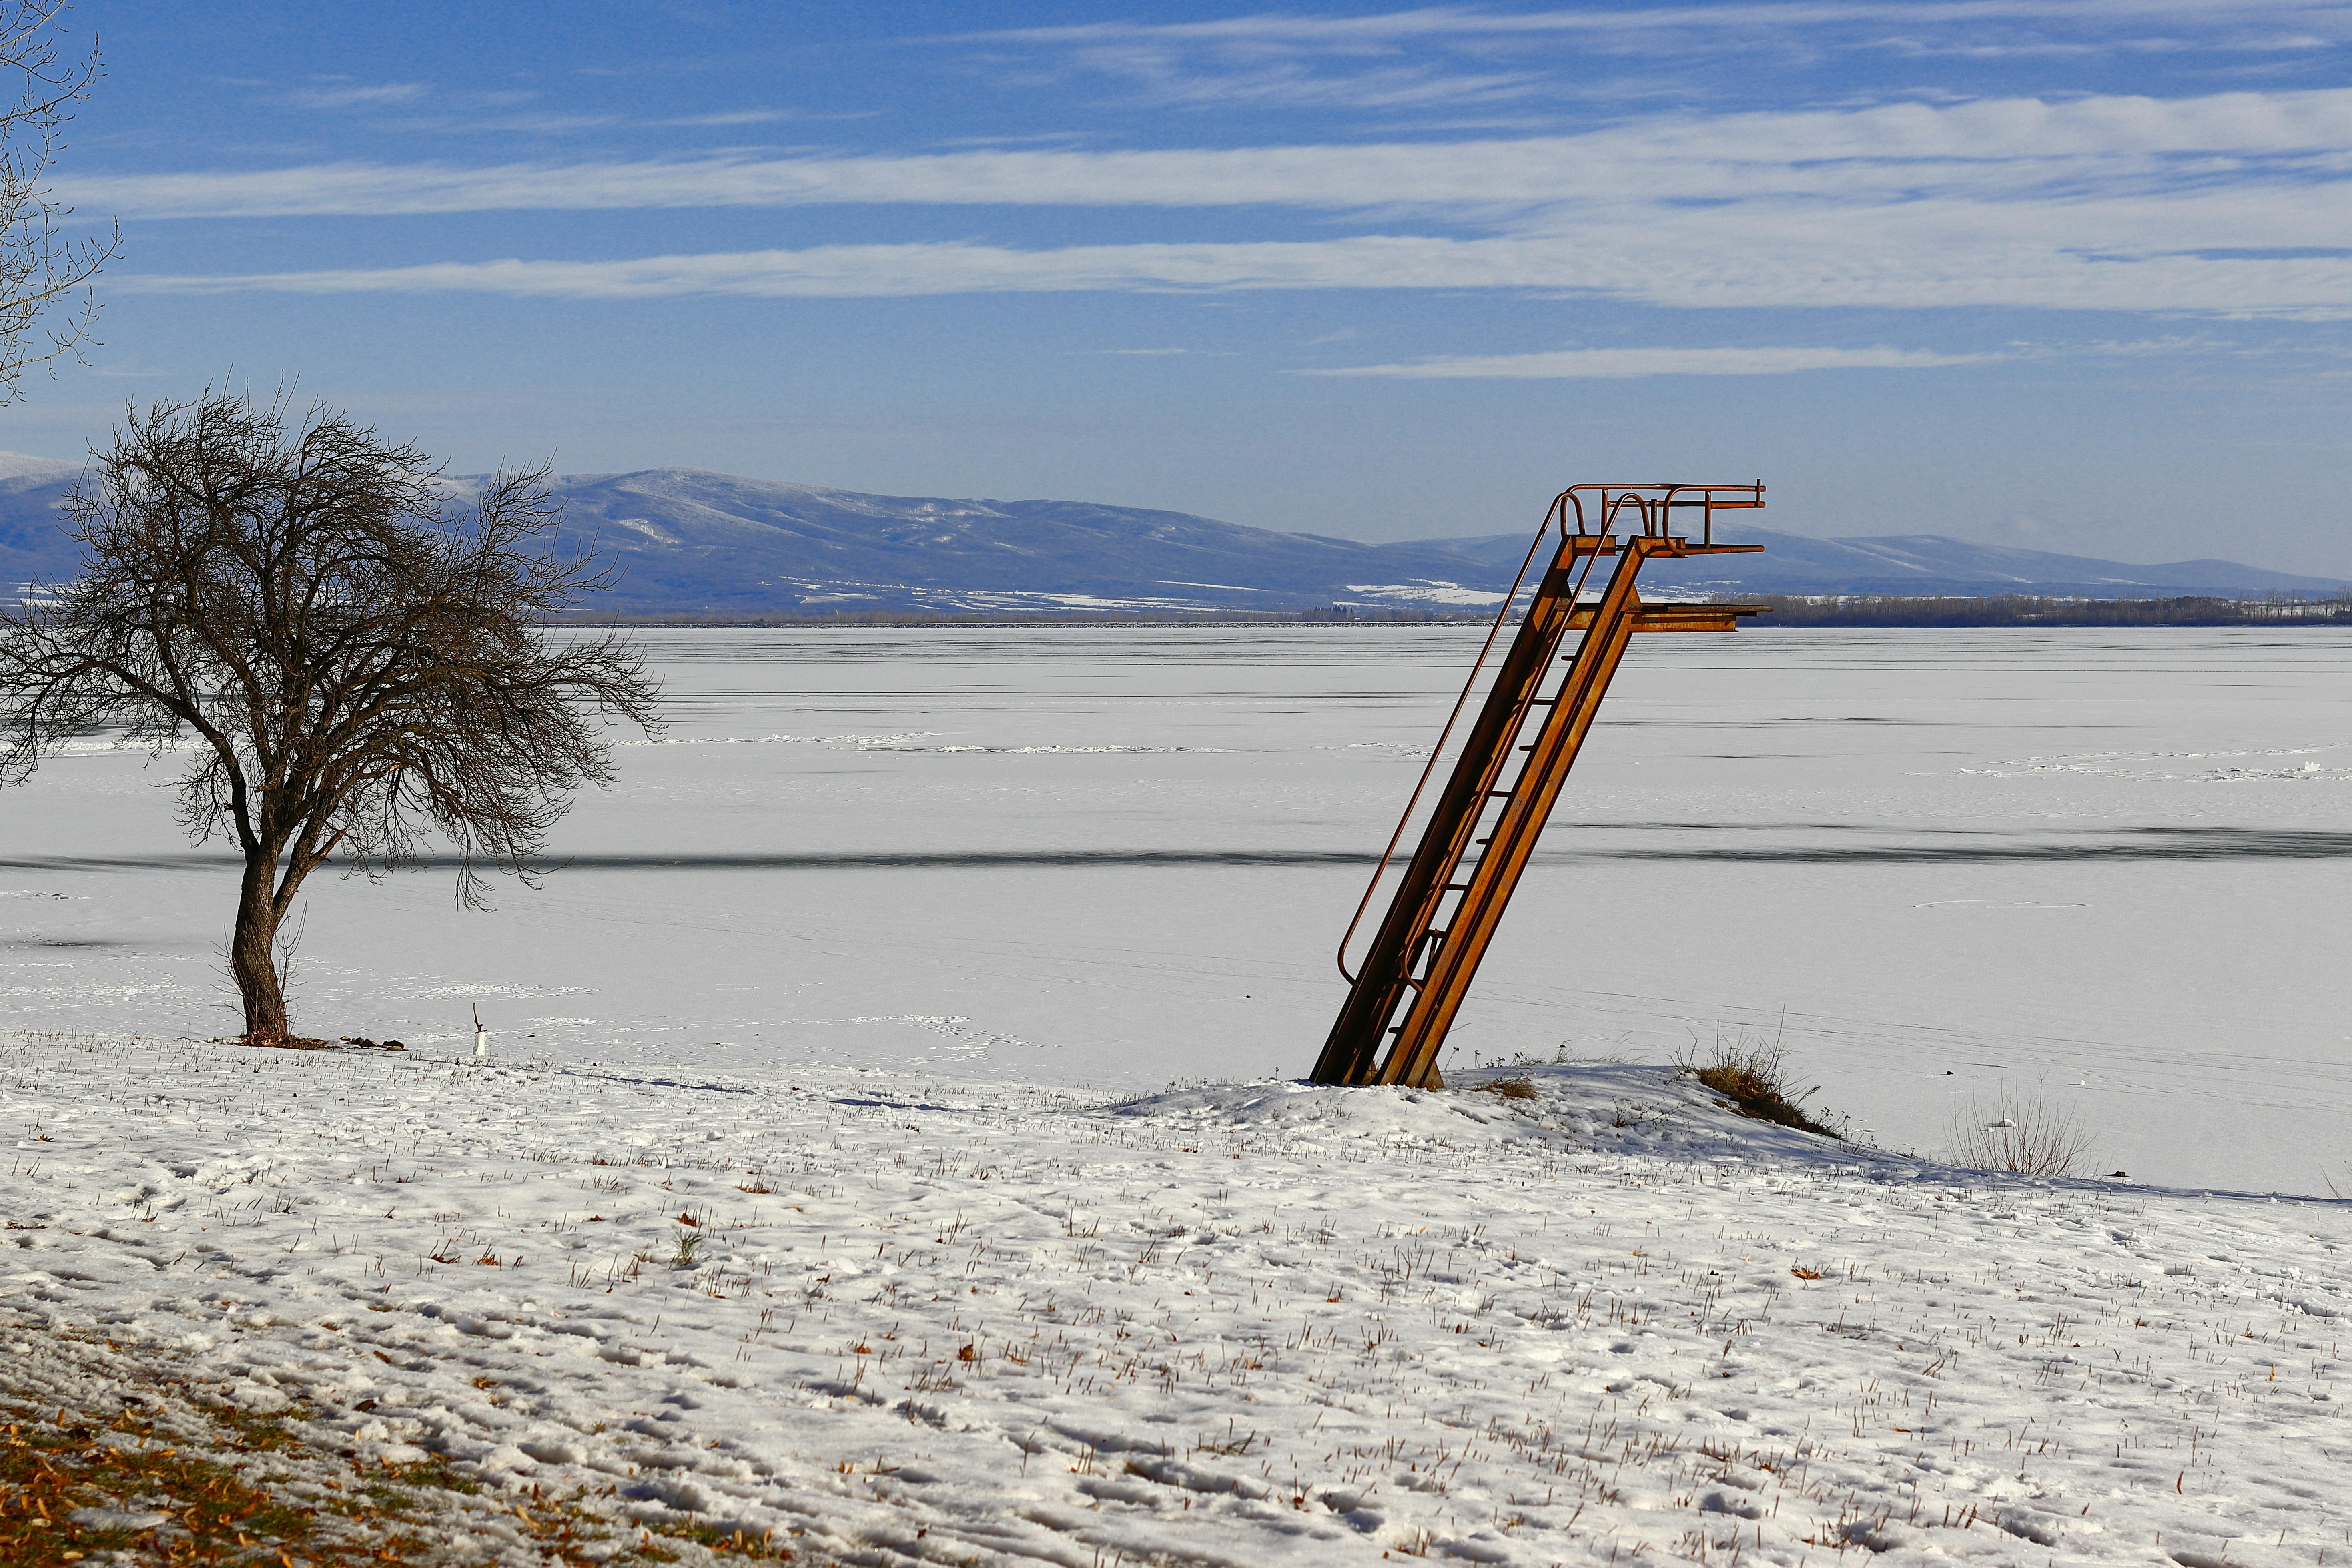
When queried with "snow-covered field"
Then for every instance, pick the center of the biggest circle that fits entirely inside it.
(895, 1318)
(1946, 864)
(886, 1135)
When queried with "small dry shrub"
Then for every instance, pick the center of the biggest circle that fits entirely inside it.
(2023, 1132)
(1508, 1088)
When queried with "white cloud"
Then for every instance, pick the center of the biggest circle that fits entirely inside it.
(2110, 203)
(1290, 86)
(1620, 364)
(1151, 71)
(744, 117)
(1448, 21)
(732, 117)
(354, 94)
(1943, 261)
(1432, 56)
(1994, 148)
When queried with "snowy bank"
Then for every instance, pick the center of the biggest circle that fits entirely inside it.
(924, 1321)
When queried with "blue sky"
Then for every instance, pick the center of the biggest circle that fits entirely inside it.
(2069, 274)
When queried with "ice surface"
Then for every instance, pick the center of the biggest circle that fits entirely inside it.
(2108, 863)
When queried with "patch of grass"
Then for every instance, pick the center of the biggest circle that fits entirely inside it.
(1508, 1088)
(208, 1510)
(726, 1543)
(435, 1474)
(220, 1486)
(1751, 1073)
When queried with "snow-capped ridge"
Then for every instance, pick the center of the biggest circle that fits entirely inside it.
(22, 466)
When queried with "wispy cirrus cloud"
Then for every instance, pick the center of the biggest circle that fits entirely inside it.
(1620, 364)
(356, 95)
(2100, 203)
(734, 117)
(1644, 265)
(1442, 23)
(1429, 56)
(1992, 150)
(1613, 364)
(1293, 85)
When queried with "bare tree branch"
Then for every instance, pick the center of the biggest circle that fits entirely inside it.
(42, 271)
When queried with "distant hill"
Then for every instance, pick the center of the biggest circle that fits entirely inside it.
(32, 545)
(692, 541)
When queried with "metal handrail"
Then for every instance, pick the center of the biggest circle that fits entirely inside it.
(1656, 509)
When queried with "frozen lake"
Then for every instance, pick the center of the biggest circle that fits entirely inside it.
(2111, 863)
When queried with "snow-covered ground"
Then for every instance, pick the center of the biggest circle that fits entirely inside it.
(886, 1137)
(895, 1318)
(1946, 864)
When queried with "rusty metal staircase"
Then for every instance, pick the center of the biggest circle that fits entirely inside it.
(1483, 826)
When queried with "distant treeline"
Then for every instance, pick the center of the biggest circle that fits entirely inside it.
(2028, 610)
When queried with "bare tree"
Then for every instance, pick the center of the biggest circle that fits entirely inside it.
(40, 268)
(356, 662)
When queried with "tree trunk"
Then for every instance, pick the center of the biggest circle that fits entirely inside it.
(252, 956)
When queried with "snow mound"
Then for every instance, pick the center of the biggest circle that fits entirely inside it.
(1623, 1108)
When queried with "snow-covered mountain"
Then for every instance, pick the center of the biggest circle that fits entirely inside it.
(32, 544)
(687, 539)
(690, 540)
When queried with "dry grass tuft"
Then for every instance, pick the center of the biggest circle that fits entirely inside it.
(1508, 1088)
(1752, 1075)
